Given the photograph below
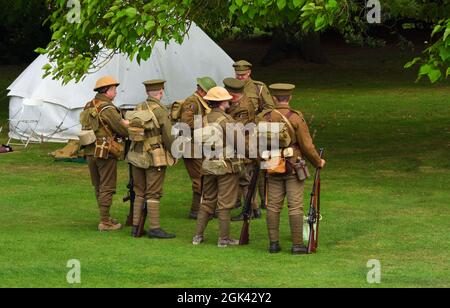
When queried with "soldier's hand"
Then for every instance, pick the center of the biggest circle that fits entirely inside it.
(323, 163)
(126, 122)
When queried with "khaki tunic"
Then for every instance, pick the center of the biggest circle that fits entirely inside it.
(148, 183)
(243, 111)
(104, 171)
(259, 95)
(221, 190)
(194, 105)
(289, 185)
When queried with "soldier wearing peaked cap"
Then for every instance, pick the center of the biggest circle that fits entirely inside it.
(150, 158)
(195, 105)
(105, 121)
(242, 111)
(262, 100)
(291, 183)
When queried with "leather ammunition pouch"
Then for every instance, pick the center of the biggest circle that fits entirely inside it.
(117, 149)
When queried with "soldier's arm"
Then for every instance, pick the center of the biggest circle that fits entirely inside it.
(267, 99)
(114, 120)
(166, 127)
(305, 142)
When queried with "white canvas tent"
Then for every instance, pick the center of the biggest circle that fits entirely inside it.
(61, 105)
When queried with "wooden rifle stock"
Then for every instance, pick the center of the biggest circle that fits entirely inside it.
(314, 212)
(141, 226)
(245, 232)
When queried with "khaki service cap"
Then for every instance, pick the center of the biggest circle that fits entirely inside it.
(106, 81)
(154, 85)
(234, 85)
(282, 89)
(242, 66)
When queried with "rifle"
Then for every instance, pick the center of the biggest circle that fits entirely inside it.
(130, 197)
(314, 212)
(141, 226)
(247, 211)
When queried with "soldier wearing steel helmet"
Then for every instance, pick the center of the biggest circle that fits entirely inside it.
(105, 119)
(221, 179)
(292, 183)
(195, 105)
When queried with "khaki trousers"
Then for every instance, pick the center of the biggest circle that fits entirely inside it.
(104, 179)
(279, 188)
(221, 191)
(194, 168)
(148, 185)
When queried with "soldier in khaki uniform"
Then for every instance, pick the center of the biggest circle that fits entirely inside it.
(193, 106)
(220, 187)
(148, 183)
(262, 100)
(289, 184)
(242, 111)
(101, 116)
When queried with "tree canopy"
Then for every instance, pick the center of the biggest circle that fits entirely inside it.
(83, 30)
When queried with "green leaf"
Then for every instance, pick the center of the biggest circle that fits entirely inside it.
(281, 4)
(437, 29)
(109, 15)
(446, 34)
(150, 25)
(412, 63)
(320, 23)
(131, 12)
(444, 53)
(331, 5)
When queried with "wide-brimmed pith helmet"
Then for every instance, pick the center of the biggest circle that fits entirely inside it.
(106, 81)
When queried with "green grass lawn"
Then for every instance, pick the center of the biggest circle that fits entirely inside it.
(385, 196)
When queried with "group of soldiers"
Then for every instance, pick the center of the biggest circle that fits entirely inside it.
(241, 100)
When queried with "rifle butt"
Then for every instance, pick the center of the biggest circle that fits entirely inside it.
(245, 234)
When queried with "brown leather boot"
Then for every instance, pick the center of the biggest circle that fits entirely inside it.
(107, 226)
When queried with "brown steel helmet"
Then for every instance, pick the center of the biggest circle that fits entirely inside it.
(218, 94)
